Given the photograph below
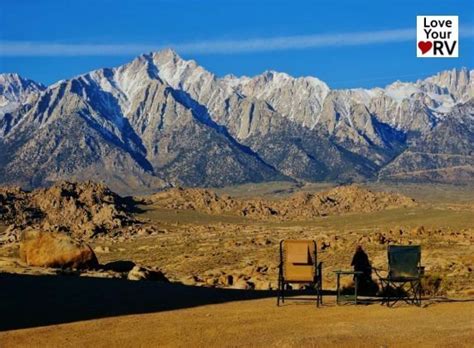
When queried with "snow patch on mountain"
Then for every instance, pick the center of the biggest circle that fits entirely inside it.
(16, 90)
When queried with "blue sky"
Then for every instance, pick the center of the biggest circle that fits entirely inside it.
(48, 40)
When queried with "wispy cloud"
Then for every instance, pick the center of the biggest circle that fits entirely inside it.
(21, 48)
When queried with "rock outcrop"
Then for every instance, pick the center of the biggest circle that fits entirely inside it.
(302, 205)
(16, 207)
(146, 273)
(84, 210)
(57, 250)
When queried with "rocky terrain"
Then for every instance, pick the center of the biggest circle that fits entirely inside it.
(300, 206)
(193, 254)
(82, 210)
(443, 154)
(163, 121)
(197, 237)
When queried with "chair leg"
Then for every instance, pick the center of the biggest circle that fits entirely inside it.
(283, 292)
(392, 300)
(399, 290)
(408, 291)
(414, 289)
(321, 285)
(318, 295)
(388, 294)
(384, 293)
(280, 291)
(414, 293)
(417, 292)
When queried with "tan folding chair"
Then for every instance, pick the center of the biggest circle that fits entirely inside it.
(299, 264)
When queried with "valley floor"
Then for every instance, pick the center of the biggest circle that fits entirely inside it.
(261, 323)
(198, 252)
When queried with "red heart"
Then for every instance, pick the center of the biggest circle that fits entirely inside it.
(425, 46)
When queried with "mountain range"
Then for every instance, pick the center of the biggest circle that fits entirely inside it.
(162, 121)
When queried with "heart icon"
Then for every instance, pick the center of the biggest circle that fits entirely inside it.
(425, 46)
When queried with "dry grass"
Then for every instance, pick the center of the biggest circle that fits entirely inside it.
(205, 246)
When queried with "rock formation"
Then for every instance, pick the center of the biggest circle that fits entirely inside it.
(57, 250)
(300, 206)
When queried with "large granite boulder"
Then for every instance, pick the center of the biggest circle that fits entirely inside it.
(55, 249)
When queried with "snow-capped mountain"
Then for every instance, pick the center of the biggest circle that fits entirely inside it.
(162, 120)
(16, 90)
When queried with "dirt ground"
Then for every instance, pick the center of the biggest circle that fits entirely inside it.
(197, 251)
(261, 323)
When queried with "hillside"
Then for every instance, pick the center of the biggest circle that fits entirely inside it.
(162, 121)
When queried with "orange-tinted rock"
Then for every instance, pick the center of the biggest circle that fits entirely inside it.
(51, 249)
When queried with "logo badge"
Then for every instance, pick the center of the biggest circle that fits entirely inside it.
(437, 36)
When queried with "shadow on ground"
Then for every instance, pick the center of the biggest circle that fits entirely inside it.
(30, 301)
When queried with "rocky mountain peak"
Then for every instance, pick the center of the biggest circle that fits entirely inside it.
(15, 90)
(457, 82)
(177, 71)
(161, 119)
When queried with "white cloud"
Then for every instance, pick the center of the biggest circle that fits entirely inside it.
(20, 48)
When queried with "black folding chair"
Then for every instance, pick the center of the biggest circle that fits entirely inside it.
(299, 264)
(403, 280)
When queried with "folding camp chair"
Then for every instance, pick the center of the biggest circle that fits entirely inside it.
(299, 264)
(403, 281)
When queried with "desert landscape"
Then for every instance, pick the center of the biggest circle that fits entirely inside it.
(236, 173)
(144, 260)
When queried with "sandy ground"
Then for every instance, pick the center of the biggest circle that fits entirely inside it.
(261, 323)
(46, 310)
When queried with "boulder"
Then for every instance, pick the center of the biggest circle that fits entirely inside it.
(261, 284)
(55, 249)
(143, 273)
(243, 284)
(418, 231)
(226, 280)
(190, 280)
(211, 281)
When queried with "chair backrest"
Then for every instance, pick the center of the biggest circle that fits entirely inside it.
(298, 258)
(404, 261)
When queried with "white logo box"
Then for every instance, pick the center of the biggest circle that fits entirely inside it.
(437, 36)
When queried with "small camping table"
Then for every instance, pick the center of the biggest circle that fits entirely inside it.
(347, 298)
